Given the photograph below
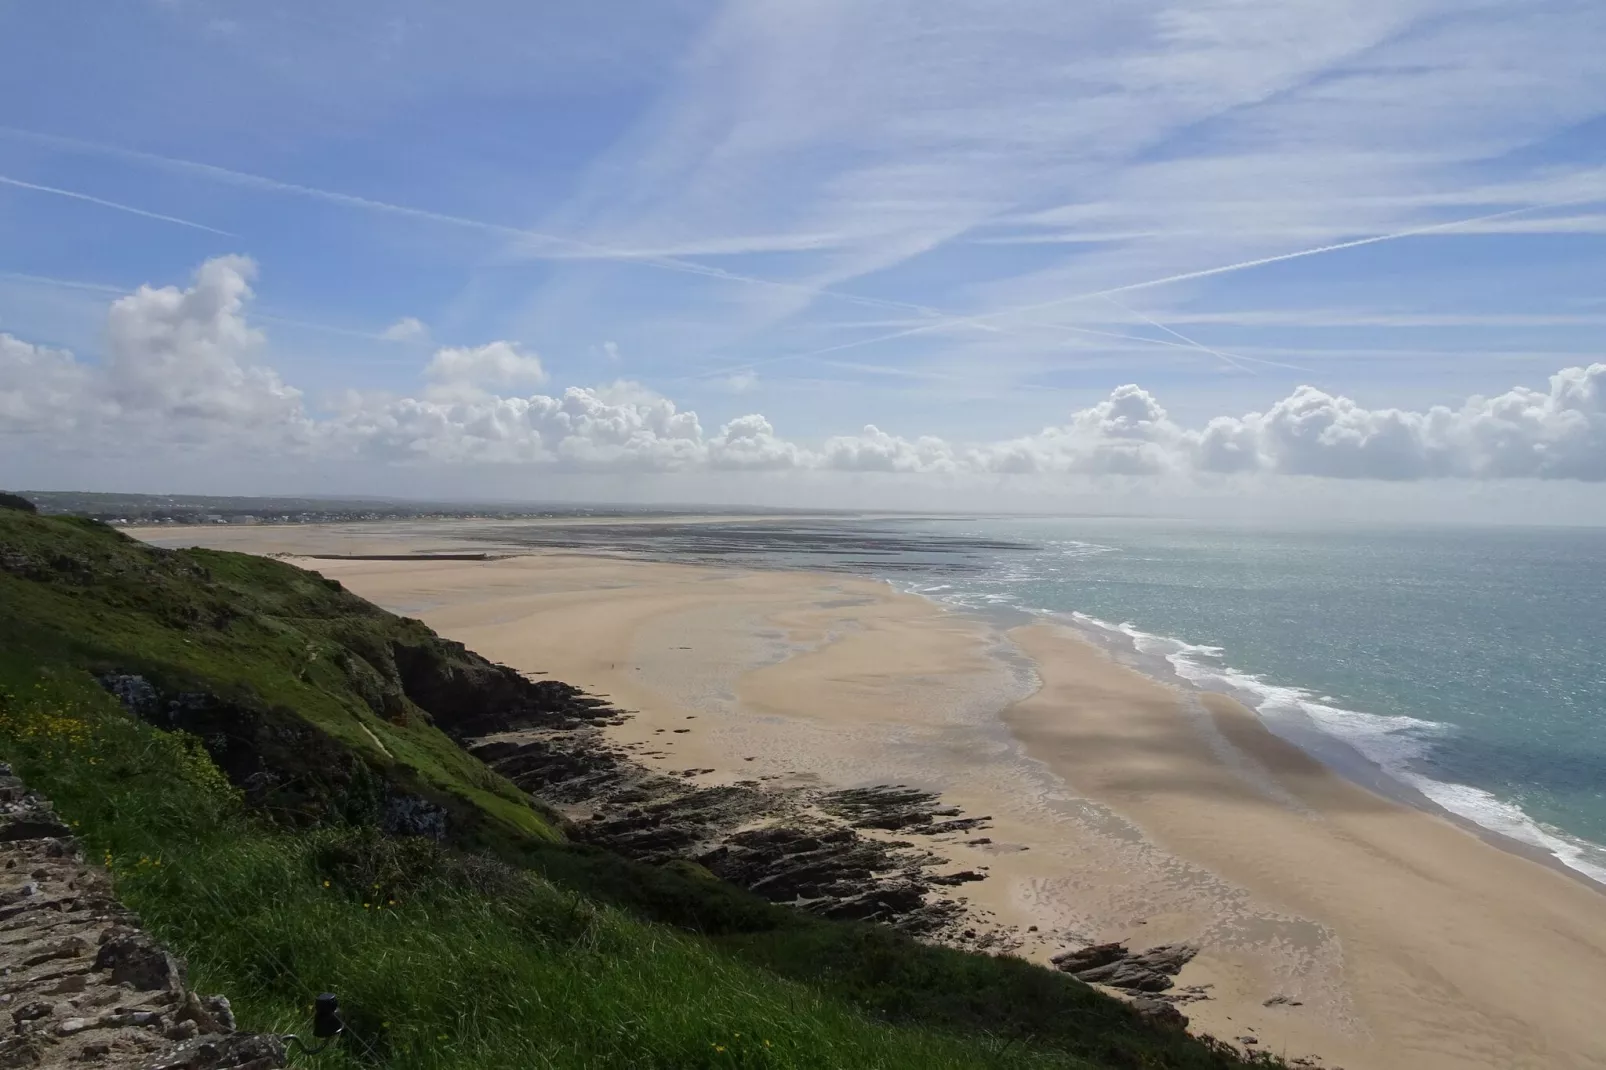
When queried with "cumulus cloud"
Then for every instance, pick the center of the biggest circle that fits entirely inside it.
(178, 364)
(406, 329)
(187, 355)
(750, 443)
(181, 366)
(580, 430)
(41, 389)
(1128, 434)
(874, 450)
(495, 364)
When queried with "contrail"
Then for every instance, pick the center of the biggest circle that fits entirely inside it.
(1234, 359)
(19, 184)
(66, 284)
(986, 317)
(272, 185)
(980, 322)
(1186, 343)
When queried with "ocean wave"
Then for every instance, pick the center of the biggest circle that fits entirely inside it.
(1079, 548)
(1394, 744)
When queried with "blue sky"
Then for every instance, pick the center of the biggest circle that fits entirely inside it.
(949, 220)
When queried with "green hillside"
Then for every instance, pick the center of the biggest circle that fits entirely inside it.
(272, 769)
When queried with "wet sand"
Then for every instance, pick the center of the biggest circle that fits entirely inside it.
(1121, 808)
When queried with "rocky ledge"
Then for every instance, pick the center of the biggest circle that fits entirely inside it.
(1146, 976)
(82, 984)
(830, 853)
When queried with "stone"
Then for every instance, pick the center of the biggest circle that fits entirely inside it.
(69, 947)
(1160, 1012)
(133, 959)
(413, 815)
(237, 1052)
(135, 693)
(1115, 966)
(1089, 958)
(29, 1011)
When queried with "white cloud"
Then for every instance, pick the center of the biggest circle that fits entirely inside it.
(1126, 434)
(406, 329)
(874, 450)
(495, 364)
(749, 442)
(580, 430)
(41, 389)
(183, 356)
(179, 367)
(1523, 433)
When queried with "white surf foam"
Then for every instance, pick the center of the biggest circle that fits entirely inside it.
(1394, 744)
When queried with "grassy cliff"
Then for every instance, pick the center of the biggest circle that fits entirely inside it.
(252, 750)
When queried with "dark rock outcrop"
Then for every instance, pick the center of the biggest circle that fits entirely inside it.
(286, 766)
(797, 847)
(1115, 966)
(898, 809)
(1160, 1012)
(413, 815)
(468, 696)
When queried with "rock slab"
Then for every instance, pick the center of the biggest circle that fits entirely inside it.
(1117, 967)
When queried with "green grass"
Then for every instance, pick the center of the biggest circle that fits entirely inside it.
(283, 643)
(532, 952)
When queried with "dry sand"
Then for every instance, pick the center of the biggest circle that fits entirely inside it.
(1122, 808)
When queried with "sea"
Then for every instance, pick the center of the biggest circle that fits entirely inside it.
(1453, 667)
(1463, 666)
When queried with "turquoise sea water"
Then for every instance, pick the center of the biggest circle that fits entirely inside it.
(1465, 664)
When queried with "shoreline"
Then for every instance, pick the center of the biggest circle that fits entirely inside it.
(1356, 768)
(1121, 806)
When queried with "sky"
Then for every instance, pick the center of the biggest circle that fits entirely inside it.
(1339, 257)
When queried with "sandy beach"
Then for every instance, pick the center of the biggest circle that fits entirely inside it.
(1334, 923)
